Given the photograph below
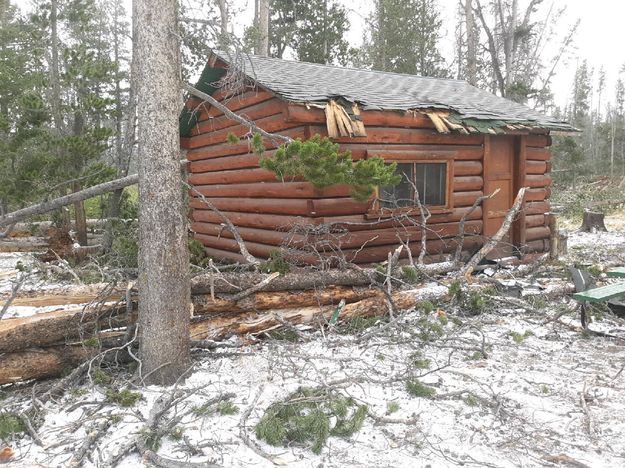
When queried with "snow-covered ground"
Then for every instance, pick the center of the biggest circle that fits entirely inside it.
(513, 387)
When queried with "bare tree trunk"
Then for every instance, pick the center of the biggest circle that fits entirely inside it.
(80, 217)
(471, 43)
(263, 28)
(164, 288)
(223, 13)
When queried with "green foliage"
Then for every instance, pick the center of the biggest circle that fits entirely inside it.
(124, 397)
(10, 425)
(357, 325)
(419, 390)
(100, 377)
(518, 338)
(426, 307)
(275, 264)
(232, 138)
(471, 400)
(320, 162)
(91, 342)
(310, 416)
(404, 38)
(392, 407)
(417, 361)
(152, 439)
(286, 334)
(223, 408)
(197, 253)
(410, 274)
(473, 301)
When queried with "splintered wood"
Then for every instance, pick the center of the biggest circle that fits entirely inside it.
(341, 123)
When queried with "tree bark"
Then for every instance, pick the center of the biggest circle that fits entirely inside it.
(164, 305)
(593, 222)
(471, 43)
(263, 28)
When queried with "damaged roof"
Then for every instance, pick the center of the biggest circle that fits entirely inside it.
(312, 83)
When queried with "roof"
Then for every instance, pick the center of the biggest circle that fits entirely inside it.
(312, 83)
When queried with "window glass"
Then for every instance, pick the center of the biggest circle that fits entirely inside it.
(430, 179)
(401, 194)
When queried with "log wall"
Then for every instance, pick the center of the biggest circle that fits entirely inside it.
(266, 210)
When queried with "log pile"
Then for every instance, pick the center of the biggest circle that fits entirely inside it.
(47, 344)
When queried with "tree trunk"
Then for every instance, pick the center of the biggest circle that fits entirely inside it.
(80, 217)
(593, 222)
(164, 292)
(263, 28)
(471, 43)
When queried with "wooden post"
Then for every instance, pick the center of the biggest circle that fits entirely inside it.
(554, 237)
(519, 228)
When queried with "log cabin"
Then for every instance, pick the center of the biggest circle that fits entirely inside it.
(452, 142)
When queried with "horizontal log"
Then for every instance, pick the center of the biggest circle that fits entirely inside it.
(262, 236)
(340, 239)
(253, 323)
(314, 115)
(376, 254)
(279, 206)
(243, 147)
(535, 220)
(270, 124)
(462, 184)
(42, 363)
(227, 163)
(461, 152)
(537, 246)
(261, 221)
(404, 136)
(232, 177)
(537, 194)
(467, 168)
(203, 304)
(353, 223)
(539, 232)
(52, 327)
(254, 112)
(538, 154)
(538, 141)
(474, 153)
(360, 222)
(308, 279)
(273, 190)
(235, 103)
(538, 207)
(535, 181)
(466, 198)
(536, 167)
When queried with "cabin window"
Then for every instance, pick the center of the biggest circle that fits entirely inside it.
(428, 179)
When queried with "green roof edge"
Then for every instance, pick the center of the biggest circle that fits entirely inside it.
(206, 84)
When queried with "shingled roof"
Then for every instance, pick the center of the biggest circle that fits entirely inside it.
(317, 84)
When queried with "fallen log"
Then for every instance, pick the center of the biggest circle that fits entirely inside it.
(50, 328)
(233, 283)
(253, 322)
(41, 363)
(203, 304)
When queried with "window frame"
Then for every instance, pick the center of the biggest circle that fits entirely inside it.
(377, 211)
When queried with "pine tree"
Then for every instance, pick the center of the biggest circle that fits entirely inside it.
(404, 37)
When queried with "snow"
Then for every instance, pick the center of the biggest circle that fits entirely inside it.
(557, 395)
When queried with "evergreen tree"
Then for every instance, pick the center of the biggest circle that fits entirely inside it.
(404, 36)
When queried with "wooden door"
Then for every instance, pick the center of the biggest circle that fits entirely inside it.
(499, 173)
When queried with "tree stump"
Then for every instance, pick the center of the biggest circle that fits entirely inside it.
(593, 221)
